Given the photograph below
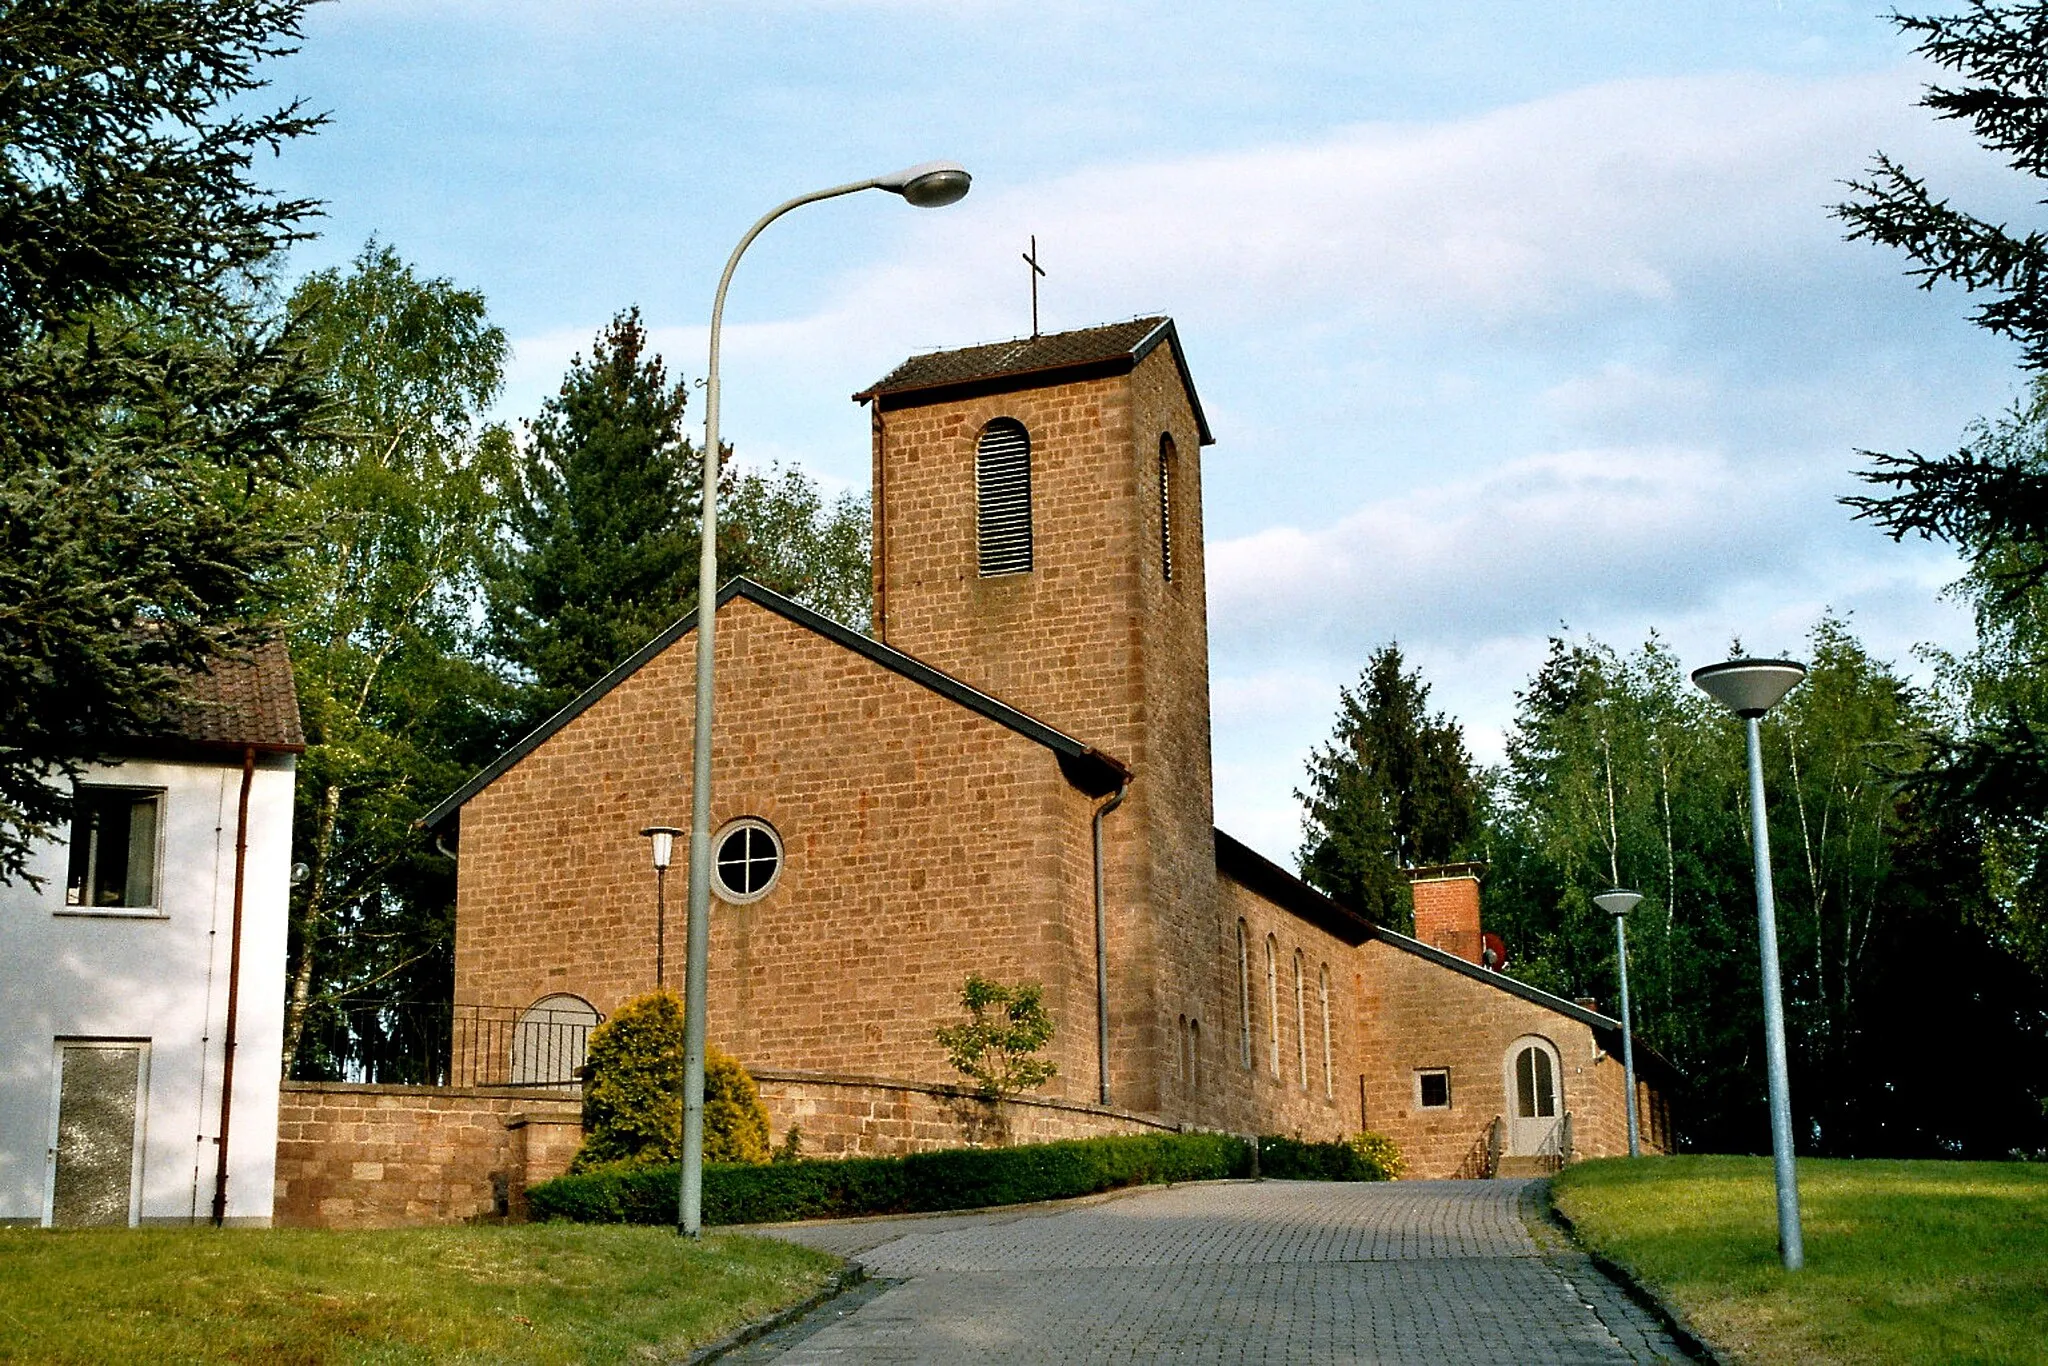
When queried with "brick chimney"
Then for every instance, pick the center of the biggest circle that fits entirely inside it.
(1447, 908)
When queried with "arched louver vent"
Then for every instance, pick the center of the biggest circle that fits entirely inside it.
(1002, 483)
(1166, 506)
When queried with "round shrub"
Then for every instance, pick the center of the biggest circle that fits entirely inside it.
(632, 1093)
(1380, 1154)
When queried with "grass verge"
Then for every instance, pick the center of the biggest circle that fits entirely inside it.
(1905, 1261)
(535, 1293)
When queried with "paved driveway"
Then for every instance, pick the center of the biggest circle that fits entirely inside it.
(1434, 1272)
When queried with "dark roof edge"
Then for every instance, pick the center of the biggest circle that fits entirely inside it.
(1167, 331)
(172, 748)
(1083, 764)
(1245, 865)
(1259, 873)
(1513, 986)
(917, 396)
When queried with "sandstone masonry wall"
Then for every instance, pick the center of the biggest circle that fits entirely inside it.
(922, 841)
(845, 1116)
(356, 1156)
(1416, 1015)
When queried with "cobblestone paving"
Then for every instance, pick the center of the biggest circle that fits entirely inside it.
(1434, 1272)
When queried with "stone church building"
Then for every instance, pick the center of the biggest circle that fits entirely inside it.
(1011, 776)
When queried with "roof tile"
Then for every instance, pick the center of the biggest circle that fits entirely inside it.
(245, 699)
(1023, 356)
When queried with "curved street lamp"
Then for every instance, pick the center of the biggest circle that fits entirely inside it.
(1618, 903)
(1750, 688)
(930, 185)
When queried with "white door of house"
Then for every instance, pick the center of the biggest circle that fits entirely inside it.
(1535, 1098)
(96, 1139)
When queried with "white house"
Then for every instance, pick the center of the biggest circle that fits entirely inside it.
(115, 999)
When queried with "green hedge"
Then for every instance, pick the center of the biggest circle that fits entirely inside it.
(958, 1178)
(1290, 1159)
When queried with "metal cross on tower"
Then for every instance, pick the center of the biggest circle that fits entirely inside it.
(1037, 271)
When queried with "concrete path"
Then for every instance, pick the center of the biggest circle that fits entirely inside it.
(1435, 1272)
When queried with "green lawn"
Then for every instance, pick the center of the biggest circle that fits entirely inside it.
(536, 1293)
(1905, 1261)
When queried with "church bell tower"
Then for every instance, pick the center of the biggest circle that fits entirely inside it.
(1038, 530)
(1038, 535)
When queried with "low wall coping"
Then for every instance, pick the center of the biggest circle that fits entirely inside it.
(940, 1088)
(364, 1088)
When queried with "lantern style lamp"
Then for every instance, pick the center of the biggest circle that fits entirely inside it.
(1750, 688)
(664, 837)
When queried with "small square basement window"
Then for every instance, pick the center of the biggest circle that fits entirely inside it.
(1433, 1088)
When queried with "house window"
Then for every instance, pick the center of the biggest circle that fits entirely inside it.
(1244, 997)
(1300, 1022)
(1323, 995)
(114, 849)
(1535, 1084)
(1433, 1088)
(1166, 506)
(746, 860)
(1273, 999)
(1002, 486)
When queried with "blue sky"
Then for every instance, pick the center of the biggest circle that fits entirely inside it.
(1509, 318)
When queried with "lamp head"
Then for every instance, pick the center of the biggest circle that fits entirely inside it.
(664, 837)
(931, 185)
(1617, 902)
(1749, 687)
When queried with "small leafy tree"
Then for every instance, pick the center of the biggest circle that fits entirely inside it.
(633, 1095)
(997, 1048)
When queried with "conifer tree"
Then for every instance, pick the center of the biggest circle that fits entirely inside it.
(147, 409)
(1393, 788)
(600, 526)
(1988, 499)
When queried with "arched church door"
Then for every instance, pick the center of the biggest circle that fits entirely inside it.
(1535, 1097)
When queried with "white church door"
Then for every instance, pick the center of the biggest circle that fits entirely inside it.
(1535, 1098)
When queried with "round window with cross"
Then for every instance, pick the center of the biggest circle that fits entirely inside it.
(746, 860)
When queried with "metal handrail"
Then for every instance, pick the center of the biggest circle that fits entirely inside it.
(442, 1043)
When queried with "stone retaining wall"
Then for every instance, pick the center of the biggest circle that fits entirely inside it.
(848, 1116)
(357, 1156)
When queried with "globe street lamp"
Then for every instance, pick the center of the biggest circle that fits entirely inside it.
(664, 837)
(1749, 688)
(931, 185)
(1619, 903)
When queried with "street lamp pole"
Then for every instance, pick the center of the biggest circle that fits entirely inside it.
(1750, 688)
(664, 837)
(1618, 903)
(932, 185)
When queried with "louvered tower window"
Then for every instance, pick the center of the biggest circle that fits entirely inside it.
(1002, 485)
(1166, 505)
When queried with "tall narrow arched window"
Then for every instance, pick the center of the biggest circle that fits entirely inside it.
(1244, 997)
(1166, 506)
(1273, 999)
(1300, 1021)
(1002, 494)
(1323, 994)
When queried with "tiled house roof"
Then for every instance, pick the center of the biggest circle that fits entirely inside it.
(241, 700)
